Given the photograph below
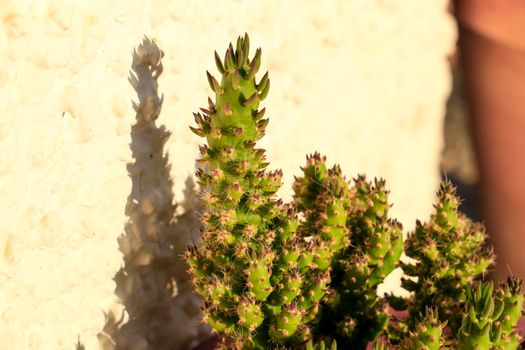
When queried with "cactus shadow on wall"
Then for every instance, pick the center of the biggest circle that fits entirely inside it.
(153, 285)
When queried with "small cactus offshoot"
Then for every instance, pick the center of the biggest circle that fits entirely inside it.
(491, 317)
(304, 275)
(451, 253)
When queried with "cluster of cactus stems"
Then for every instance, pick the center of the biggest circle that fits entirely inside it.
(451, 252)
(305, 274)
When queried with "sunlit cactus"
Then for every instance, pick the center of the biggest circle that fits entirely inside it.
(451, 252)
(304, 275)
(261, 274)
(357, 313)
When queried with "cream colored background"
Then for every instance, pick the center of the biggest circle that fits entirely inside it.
(363, 81)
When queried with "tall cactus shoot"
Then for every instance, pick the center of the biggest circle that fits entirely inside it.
(304, 275)
(250, 269)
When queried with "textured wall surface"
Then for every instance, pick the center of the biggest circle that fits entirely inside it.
(364, 82)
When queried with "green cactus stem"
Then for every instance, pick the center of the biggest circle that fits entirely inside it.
(376, 244)
(260, 270)
(233, 269)
(491, 317)
(451, 253)
(427, 334)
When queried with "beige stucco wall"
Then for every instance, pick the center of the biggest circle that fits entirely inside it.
(364, 82)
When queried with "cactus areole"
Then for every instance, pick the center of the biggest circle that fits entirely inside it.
(304, 275)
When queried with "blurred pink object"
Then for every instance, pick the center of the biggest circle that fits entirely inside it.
(492, 51)
(502, 21)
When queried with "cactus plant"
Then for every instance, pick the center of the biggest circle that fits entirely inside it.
(491, 318)
(451, 253)
(305, 274)
(249, 269)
